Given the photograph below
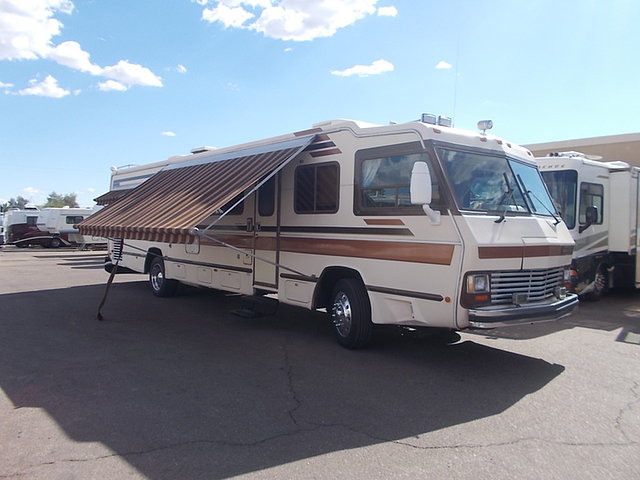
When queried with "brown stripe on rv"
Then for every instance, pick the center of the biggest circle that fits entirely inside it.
(383, 221)
(523, 251)
(378, 250)
(324, 153)
(437, 254)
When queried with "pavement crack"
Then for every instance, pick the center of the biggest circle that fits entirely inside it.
(619, 422)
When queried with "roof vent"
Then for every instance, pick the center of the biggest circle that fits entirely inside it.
(202, 149)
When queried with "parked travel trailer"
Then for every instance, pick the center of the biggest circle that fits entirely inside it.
(49, 227)
(599, 203)
(415, 225)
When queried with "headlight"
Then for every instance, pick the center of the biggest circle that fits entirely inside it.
(476, 290)
(478, 283)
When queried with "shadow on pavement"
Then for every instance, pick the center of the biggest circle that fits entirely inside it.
(180, 388)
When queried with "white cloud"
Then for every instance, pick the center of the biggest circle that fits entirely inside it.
(181, 69)
(376, 68)
(228, 16)
(71, 55)
(387, 11)
(27, 29)
(27, 26)
(46, 88)
(6, 85)
(297, 20)
(168, 133)
(112, 86)
(442, 65)
(131, 74)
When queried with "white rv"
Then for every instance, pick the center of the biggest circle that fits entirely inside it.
(49, 227)
(415, 224)
(599, 203)
(20, 222)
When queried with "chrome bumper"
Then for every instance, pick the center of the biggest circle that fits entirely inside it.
(501, 316)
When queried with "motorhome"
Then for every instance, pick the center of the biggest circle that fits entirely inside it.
(599, 203)
(20, 222)
(49, 227)
(416, 224)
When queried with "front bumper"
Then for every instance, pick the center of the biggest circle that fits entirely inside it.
(505, 316)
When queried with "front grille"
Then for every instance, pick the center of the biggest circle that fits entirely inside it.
(116, 250)
(537, 285)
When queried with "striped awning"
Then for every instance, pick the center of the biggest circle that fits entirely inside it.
(170, 204)
(111, 196)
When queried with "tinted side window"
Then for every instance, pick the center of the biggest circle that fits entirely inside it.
(73, 219)
(382, 184)
(316, 188)
(267, 198)
(591, 195)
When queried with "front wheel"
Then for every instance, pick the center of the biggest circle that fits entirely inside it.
(160, 285)
(351, 314)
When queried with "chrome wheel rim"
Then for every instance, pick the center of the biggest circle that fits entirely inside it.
(156, 277)
(341, 314)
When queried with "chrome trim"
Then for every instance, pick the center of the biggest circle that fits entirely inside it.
(499, 316)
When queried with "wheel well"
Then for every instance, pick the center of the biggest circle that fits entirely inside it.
(328, 278)
(151, 254)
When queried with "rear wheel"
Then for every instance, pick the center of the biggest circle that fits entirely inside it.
(160, 285)
(55, 242)
(600, 284)
(351, 314)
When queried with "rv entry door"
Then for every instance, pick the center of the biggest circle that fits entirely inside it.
(266, 235)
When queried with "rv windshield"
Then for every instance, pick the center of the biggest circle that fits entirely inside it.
(484, 182)
(563, 186)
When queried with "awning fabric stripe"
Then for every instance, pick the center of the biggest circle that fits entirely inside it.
(111, 196)
(170, 204)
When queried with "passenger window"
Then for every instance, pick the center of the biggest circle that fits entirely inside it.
(316, 188)
(591, 195)
(382, 184)
(73, 219)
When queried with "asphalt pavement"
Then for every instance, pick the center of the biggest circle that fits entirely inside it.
(181, 388)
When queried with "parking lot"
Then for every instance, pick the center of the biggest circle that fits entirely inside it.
(181, 388)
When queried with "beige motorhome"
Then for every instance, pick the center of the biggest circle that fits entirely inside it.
(415, 224)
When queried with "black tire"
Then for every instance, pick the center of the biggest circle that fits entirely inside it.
(600, 284)
(160, 285)
(55, 243)
(351, 314)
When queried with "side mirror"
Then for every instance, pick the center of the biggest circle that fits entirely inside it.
(591, 217)
(420, 190)
(420, 184)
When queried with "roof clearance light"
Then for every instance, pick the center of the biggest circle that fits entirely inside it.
(485, 125)
(429, 118)
(445, 121)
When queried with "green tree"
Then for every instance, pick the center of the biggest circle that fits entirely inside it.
(58, 200)
(18, 202)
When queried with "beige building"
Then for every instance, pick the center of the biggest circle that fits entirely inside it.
(625, 147)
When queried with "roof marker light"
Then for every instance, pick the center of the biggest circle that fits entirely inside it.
(429, 118)
(445, 121)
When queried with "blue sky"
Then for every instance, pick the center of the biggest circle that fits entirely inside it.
(87, 84)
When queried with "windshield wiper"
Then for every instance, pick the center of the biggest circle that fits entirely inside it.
(508, 194)
(529, 193)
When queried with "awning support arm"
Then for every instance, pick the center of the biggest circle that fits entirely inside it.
(259, 184)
